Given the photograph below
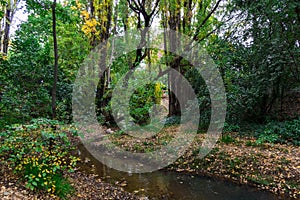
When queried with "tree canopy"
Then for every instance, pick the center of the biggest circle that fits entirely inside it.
(255, 45)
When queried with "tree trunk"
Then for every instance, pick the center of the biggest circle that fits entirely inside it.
(104, 72)
(55, 60)
(173, 80)
(8, 11)
(8, 15)
(6, 32)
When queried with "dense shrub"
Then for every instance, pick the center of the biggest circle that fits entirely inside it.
(282, 132)
(142, 101)
(39, 153)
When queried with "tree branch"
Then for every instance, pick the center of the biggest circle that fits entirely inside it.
(206, 19)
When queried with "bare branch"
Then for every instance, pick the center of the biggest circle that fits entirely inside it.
(155, 7)
(133, 8)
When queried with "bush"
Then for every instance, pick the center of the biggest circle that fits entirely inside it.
(228, 128)
(283, 132)
(272, 138)
(39, 152)
(142, 100)
(227, 139)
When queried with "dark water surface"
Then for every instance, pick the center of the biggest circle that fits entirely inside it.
(173, 185)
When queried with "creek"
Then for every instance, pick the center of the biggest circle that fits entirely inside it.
(165, 184)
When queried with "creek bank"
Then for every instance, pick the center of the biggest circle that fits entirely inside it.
(269, 167)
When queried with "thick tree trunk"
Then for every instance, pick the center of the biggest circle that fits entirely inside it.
(104, 72)
(173, 79)
(55, 60)
(5, 32)
(174, 82)
(180, 23)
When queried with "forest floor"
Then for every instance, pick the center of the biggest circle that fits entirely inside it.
(271, 167)
(86, 187)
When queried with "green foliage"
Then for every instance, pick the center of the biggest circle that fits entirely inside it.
(28, 95)
(272, 138)
(227, 139)
(31, 60)
(142, 101)
(259, 71)
(257, 58)
(39, 153)
(3, 3)
(119, 133)
(282, 132)
(231, 127)
(250, 143)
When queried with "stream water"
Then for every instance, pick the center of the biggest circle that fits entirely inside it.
(173, 185)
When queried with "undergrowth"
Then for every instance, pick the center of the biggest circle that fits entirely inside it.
(39, 153)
